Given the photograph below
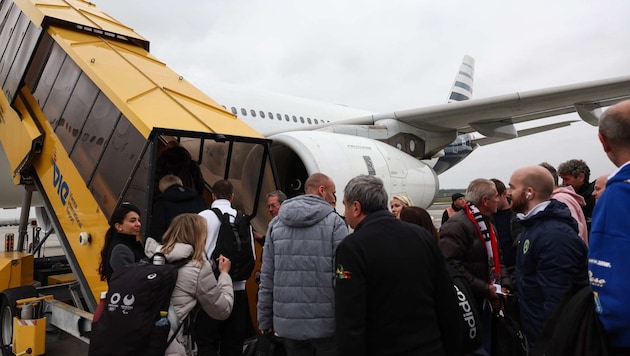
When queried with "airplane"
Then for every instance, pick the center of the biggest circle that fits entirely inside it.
(406, 148)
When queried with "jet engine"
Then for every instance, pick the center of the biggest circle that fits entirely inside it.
(299, 154)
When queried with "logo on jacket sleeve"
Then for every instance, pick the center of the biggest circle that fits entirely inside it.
(341, 273)
(526, 247)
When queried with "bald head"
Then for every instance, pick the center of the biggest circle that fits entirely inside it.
(600, 186)
(530, 186)
(614, 132)
(320, 184)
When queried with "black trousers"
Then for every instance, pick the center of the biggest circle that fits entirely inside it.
(224, 337)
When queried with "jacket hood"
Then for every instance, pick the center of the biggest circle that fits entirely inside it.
(555, 210)
(571, 192)
(179, 252)
(177, 193)
(304, 210)
(622, 175)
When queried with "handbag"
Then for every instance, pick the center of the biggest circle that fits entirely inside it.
(266, 344)
(507, 337)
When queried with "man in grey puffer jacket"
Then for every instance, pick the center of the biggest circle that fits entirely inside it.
(296, 295)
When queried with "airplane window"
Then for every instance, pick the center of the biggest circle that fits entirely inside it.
(224, 107)
(253, 113)
(262, 114)
(234, 110)
(244, 112)
(270, 115)
(294, 118)
(316, 122)
(301, 119)
(309, 120)
(286, 117)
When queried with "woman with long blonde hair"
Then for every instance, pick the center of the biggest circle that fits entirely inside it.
(196, 283)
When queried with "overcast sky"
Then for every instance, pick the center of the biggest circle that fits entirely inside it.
(391, 55)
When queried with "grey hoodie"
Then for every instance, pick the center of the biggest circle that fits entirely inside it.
(296, 296)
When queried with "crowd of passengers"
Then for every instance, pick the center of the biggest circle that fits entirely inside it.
(380, 279)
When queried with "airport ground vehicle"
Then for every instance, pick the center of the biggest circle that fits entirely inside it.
(85, 111)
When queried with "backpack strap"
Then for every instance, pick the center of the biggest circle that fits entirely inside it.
(220, 214)
(180, 263)
(223, 216)
(188, 319)
(179, 327)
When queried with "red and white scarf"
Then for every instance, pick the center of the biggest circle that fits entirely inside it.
(489, 238)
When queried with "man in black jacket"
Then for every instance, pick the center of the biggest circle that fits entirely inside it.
(576, 173)
(173, 200)
(394, 295)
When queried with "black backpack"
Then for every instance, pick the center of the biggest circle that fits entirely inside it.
(234, 242)
(574, 328)
(470, 322)
(136, 296)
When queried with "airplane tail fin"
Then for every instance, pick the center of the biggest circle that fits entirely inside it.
(462, 88)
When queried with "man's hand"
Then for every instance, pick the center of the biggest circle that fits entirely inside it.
(258, 237)
(493, 298)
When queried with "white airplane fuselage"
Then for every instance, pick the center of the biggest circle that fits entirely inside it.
(304, 127)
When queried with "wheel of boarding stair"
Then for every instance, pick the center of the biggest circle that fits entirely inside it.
(8, 310)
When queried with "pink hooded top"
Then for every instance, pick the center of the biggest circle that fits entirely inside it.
(575, 202)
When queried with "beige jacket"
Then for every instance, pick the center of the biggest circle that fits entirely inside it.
(195, 284)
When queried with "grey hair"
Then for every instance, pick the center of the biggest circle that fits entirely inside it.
(277, 193)
(367, 190)
(478, 189)
(615, 126)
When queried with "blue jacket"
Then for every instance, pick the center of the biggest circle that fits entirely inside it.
(609, 257)
(550, 258)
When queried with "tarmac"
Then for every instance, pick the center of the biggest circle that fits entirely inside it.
(62, 344)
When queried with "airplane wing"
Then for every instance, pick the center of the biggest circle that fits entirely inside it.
(496, 116)
(481, 141)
